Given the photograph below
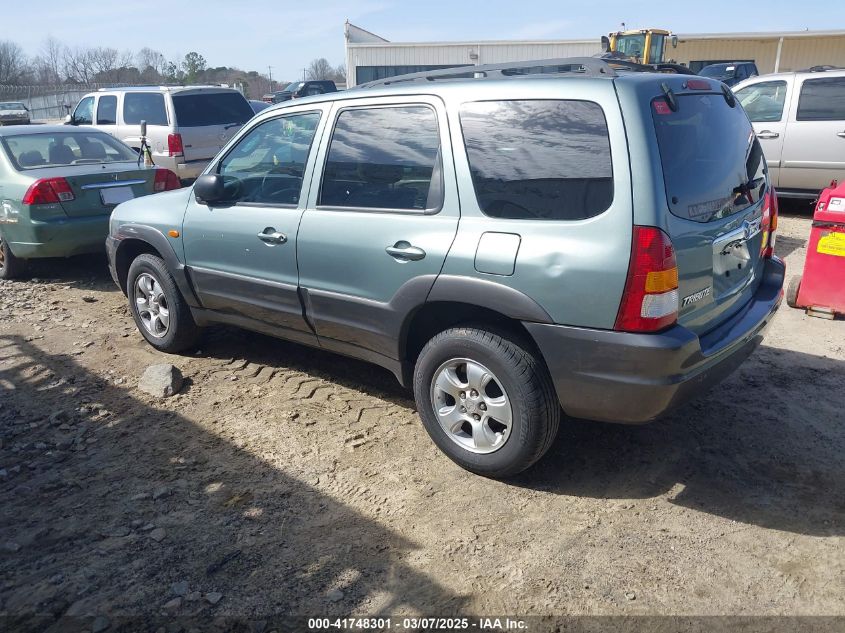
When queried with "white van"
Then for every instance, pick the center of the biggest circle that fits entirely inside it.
(799, 118)
(186, 125)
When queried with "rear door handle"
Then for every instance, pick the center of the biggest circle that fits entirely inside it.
(767, 134)
(272, 236)
(403, 251)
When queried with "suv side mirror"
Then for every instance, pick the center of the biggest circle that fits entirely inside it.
(605, 43)
(674, 41)
(209, 189)
(69, 120)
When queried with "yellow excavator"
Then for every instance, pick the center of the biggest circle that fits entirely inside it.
(645, 47)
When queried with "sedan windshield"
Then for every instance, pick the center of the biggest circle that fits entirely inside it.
(76, 147)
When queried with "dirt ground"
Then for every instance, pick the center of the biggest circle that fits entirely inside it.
(288, 480)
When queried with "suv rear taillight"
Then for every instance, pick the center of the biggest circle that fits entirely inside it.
(174, 145)
(769, 223)
(165, 180)
(650, 300)
(48, 191)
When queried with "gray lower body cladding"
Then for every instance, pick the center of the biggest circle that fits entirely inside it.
(635, 378)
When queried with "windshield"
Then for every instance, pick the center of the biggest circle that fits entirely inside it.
(12, 106)
(631, 45)
(713, 164)
(293, 87)
(719, 71)
(32, 151)
(211, 108)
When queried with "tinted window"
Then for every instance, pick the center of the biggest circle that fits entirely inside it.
(822, 100)
(268, 163)
(216, 108)
(763, 102)
(384, 158)
(144, 106)
(84, 113)
(544, 160)
(75, 147)
(713, 165)
(107, 111)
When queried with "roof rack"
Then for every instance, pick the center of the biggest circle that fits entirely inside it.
(820, 69)
(582, 66)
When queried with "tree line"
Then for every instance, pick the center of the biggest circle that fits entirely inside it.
(56, 63)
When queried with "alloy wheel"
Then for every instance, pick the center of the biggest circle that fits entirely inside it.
(471, 405)
(151, 303)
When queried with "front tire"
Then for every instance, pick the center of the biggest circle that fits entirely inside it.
(486, 399)
(11, 267)
(157, 306)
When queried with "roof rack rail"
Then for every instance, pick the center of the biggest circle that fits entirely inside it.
(583, 66)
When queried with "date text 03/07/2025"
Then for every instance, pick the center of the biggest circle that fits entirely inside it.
(416, 623)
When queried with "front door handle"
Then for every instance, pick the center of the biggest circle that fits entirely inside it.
(767, 134)
(840, 134)
(403, 251)
(272, 236)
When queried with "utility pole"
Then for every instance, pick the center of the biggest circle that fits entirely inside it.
(303, 73)
(270, 75)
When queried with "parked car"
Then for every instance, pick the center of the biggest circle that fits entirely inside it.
(730, 74)
(595, 240)
(258, 106)
(58, 187)
(799, 118)
(299, 89)
(14, 113)
(186, 125)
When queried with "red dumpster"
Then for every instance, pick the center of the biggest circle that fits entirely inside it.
(821, 289)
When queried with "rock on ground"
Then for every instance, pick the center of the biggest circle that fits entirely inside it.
(161, 381)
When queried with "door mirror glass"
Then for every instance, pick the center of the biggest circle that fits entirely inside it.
(674, 41)
(605, 43)
(209, 189)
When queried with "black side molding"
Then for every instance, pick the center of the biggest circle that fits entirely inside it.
(489, 294)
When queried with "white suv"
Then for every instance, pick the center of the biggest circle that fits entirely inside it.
(799, 118)
(186, 125)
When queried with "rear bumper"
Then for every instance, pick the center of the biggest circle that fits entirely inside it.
(635, 378)
(62, 238)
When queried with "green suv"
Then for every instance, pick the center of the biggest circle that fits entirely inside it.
(510, 241)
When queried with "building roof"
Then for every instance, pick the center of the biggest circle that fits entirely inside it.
(356, 36)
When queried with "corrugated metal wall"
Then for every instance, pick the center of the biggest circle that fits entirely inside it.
(796, 52)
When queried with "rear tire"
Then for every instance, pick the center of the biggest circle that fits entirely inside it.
(792, 291)
(11, 267)
(486, 399)
(158, 308)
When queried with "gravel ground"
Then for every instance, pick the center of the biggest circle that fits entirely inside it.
(286, 480)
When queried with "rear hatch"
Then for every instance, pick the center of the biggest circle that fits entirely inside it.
(207, 119)
(716, 186)
(98, 188)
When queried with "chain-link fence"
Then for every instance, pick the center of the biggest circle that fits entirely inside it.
(48, 103)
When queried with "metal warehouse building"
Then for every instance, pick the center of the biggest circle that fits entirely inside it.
(370, 57)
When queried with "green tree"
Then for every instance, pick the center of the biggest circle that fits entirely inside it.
(193, 65)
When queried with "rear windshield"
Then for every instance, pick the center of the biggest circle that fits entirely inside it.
(31, 151)
(713, 165)
(216, 108)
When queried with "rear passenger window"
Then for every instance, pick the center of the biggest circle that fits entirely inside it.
(384, 158)
(541, 160)
(107, 110)
(822, 100)
(144, 106)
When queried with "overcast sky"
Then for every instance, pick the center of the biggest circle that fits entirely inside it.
(252, 34)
